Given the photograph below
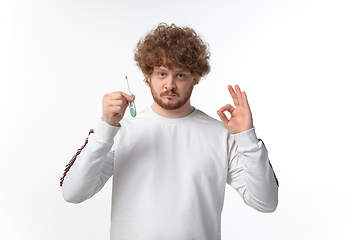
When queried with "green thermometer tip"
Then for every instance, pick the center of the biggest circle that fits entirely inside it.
(133, 112)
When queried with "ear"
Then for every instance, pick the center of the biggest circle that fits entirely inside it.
(148, 79)
(196, 81)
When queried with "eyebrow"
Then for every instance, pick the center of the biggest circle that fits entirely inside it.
(161, 69)
(176, 71)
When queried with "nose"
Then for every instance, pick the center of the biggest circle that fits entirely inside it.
(170, 83)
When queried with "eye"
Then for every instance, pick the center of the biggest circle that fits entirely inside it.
(162, 74)
(182, 76)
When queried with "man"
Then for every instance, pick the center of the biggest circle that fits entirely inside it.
(171, 163)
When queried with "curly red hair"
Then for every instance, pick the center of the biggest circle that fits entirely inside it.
(172, 46)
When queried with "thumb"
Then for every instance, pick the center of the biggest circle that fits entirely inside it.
(128, 97)
(223, 118)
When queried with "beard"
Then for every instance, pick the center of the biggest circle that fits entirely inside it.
(171, 104)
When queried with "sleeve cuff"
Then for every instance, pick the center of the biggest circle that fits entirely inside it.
(246, 140)
(105, 132)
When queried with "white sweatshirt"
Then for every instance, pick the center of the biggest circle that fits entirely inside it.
(169, 175)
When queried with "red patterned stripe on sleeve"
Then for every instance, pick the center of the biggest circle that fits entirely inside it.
(277, 182)
(69, 165)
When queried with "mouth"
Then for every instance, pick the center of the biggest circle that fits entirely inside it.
(169, 95)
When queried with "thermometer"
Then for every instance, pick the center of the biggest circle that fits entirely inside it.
(132, 103)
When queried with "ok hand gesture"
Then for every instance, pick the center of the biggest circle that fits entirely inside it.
(241, 117)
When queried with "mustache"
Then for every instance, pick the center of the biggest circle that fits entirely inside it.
(168, 93)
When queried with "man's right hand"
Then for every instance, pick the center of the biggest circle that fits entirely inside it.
(114, 106)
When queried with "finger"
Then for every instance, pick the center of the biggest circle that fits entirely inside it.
(238, 94)
(233, 95)
(115, 99)
(119, 95)
(114, 95)
(122, 102)
(223, 118)
(245, 100)
(228, 108)
(114, 110)
(128, 97)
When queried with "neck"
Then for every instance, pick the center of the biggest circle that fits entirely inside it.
(184, 111)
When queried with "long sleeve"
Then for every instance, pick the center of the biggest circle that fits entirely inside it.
(91, 166)
(251, 174)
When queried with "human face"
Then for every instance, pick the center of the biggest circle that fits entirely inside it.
(171, 88)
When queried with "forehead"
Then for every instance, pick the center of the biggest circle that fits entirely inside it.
(175, 69)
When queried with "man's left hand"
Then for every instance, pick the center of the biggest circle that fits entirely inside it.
(241, 117)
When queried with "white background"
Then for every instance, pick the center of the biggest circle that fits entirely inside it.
(298, 61)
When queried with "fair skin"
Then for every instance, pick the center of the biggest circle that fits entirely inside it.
(241, 117)
(171, 90)
(114, 106)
